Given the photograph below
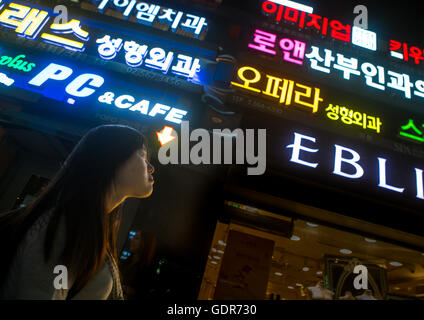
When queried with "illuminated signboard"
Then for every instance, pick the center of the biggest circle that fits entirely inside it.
(286, 92)
(283, 92)
(5, 80)
(154, 15)
(336, 30)
(17, 63)
(411, 132)
(352, 117)
(406, 53)
(345, 164)
(88, 88)
(292, 50)
(375, 75)
(294, 5)
(325, 61)
(143, 106)
(322, 25)
(157, 58)
(27, 22)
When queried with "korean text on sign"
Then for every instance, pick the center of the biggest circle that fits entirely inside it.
(401, 51)
(148, 14)
(410, 131)
(155, 58)
(293, 50)
(349, 117)
(288, 92)
(375, 76)
(322, 25)
(29, 22)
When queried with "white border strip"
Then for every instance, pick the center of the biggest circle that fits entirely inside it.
(294, 5)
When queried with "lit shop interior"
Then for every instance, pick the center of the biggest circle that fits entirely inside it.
(315, 262)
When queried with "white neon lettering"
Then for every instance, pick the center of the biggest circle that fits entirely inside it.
(119, 101)
(382, 176)
(339, 159)
(175, 115)
(52, 71)
(294, 5)
(142, 106)
(420, 189)
(364, 38)
(103, 4)
(158, 108)
(126, 101)
(4, 79)
(297, 146)
(79, 87)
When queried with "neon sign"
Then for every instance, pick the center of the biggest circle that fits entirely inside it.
(155, 15)
(359, 37)
(414, 133)
(155, 58)
(281, 89)
(294, 5)
(265, 42)
(4, 79)
(63, 83)
(128, 102)
(134, 54)
(29, 22)
(349, 117)
(375, 76)
(25, 20)
(414, 52)
(16, 63)
(82, 86)
(73, 26)
(347, 164)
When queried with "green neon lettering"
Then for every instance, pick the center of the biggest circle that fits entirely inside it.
(17, 63)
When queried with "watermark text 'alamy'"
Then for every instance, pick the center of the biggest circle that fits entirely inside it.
(210, 150)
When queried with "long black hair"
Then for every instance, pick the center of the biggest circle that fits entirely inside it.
(77, 193)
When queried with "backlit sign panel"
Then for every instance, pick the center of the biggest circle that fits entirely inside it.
(375, 76)
(402, 51)
(324, 60)
(84, 86)
(155, 15)
(321, 25)
(345, 164)
(75, 36)
(285, 91)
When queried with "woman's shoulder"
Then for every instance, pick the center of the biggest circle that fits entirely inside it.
(39, 225)
(35, 236)
(30, 275)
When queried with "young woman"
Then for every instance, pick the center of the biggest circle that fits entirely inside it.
(74, 222)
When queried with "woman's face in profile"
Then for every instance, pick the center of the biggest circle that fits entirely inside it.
(135, 177)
